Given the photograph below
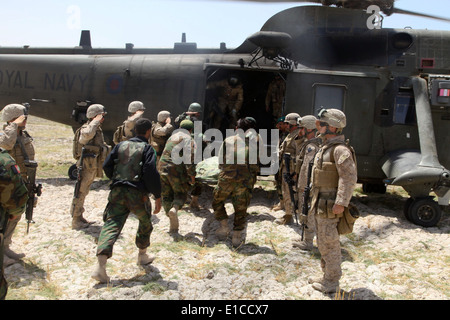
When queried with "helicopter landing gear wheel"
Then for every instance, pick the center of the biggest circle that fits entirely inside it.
(73, 172)
(424, 212)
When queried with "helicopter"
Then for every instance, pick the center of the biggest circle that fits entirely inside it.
(392, 84)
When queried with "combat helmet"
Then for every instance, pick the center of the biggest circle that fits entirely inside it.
(13, 111)
(163, 115)
(195, 107)
(308, 122)
(292, 118)
(334, 117)
(95, 110)
(135, 106)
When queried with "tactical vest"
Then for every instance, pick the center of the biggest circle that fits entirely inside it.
(128, 165)
(325, 173)
(14, 194)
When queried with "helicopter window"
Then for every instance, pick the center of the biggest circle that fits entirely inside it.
(404, 112)
(328, 96)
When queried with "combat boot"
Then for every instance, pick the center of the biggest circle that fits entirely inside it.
(11, 254)
(144, 258)
(279, 206)
(325, 286)
(302, 245)
(173, 219)
(99, 273)
(78, 222)
(194, 203)
(285, 220)
(222, 232)
(236, 239)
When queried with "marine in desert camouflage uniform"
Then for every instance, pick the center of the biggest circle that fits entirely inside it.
(305, 156)
(126, 130)
(161, 132)
(334, 177)
(91, 138)
(176, 178)
(236, 180)
(17, 141)
(289, 146)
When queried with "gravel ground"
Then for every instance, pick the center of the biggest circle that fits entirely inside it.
(385, 258)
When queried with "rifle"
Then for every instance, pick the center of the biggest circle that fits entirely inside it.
(306, 193)
(290, 182)
(79, 171)
(33, 190)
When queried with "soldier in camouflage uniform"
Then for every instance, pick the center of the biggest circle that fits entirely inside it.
(126, 130)
(161, 131)
(230, 97)
(289, 146)
(275, 96)
(14, 196)
(305, 156)
(176, 178)
(236, 180)
(334, 177)
(19, 144)
(132, 167)
(96, 150)
(283, 132)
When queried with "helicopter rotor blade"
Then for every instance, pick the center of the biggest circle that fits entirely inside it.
(418, 14)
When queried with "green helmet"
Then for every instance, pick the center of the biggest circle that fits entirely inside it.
(195, 107)
(187, 124)
(13, 111)
(95, 110)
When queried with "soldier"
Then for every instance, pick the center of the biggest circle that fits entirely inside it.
(194, 114)
(126, 130)
(225, 112)
(236, 180)
(161, 131)
(289, 146)
(90, 150)
(275, 96)
(19, 144)
(132, 168)
(333, 181)
(177, 177)
(305, 156)
(14, 196)
(283, 132)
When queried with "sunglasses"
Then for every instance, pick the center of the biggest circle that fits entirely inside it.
(323, 124)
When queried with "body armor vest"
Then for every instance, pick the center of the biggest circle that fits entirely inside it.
(128, 165)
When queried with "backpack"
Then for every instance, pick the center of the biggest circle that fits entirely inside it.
(76, 145)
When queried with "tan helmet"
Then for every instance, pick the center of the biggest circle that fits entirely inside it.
(292, 118)
(308, 122)
(13, 111)
(334, 117)
(135, 106)
(162, 116)
(95, 110)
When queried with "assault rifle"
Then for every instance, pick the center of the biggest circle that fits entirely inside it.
(306, 194)
(287, 176)
(79, 171)
(33, 190)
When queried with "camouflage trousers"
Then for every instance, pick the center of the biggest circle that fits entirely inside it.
(121, 201)
(87, 178)
(174, 190)
(329, 247)
(240, 195)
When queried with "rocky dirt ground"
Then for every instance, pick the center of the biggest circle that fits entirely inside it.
(385, 258)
